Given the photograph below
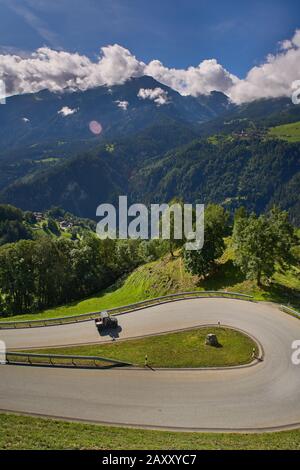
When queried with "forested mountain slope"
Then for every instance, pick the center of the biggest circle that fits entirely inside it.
(253, 172)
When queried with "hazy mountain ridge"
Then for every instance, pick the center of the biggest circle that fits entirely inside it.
(39, 117)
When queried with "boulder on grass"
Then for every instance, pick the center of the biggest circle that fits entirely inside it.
(211, 340)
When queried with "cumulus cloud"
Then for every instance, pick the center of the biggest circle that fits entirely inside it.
(291, 43)
(66, 111)
(206, 77)
(274, 78)
(122, 104)
(158, 95)
(59, 70)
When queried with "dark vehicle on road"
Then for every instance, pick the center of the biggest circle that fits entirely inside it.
(105, 321)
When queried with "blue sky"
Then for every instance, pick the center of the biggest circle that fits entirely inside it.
(239, 34)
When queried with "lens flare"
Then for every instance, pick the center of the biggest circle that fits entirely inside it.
(95, 127)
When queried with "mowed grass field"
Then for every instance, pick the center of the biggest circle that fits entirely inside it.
(181, 349)
(289, 132)
(25, 432)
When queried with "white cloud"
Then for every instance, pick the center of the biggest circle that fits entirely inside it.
(158, 95)
(274, 78)
(296, 38)
(208, 76)
(291, 43)
(122, 104)
(60, 70)
(66, 111)
(25, 119)
(285, 44)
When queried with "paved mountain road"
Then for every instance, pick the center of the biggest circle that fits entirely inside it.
(265, 396)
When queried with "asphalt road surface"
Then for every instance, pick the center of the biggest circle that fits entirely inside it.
(261, 397)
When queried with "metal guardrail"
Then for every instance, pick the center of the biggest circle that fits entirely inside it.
(122, 309)
(290, 310)
(62, 360)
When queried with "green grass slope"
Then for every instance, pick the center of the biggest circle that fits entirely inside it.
(168, 275)
(288, 132)
(150, 280)
(25, 432)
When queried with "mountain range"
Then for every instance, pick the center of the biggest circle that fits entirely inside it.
(46, 116)
(148, 142)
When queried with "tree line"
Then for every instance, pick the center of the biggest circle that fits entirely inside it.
(49, 271)
(37, 274)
